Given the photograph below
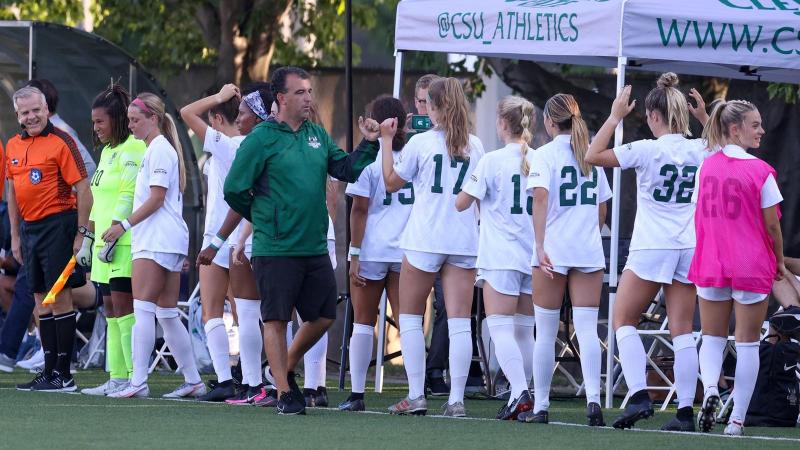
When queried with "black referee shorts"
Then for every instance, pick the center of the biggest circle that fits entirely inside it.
(304, 283)
(46, 250)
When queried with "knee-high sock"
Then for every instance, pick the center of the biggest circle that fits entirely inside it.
(632, 358)
(250, 341)
(116, 362)
(747, 363)
(711, 355)
(685, 369)
(460, 333)
(144, 339)
(524, 327)
(65, 340)
(412, 344)
(125, 325)
(47, 334)
(360, 355)
(177, 338)
(585, 319)
(501, 328)
(314, 362)
(544, 355)
(218, 348)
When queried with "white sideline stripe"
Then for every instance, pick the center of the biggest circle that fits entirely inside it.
(580, 425)
(380, 413)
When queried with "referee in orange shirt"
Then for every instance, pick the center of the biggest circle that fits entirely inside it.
(44, 165)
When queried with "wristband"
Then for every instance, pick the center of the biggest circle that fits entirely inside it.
(217, 242)
(126, 225)
(355, 251)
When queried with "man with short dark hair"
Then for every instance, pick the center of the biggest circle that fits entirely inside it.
(44, 165)
(277, 182)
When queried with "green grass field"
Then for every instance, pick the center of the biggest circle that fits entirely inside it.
(42, 420)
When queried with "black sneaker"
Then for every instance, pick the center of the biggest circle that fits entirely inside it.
(290, 405)
(310, 396)
(40, 376)
(321, 400)
(787, 322)
(683, 421)
(353, 403)
(521, 404)
(437, 386)
(639, 407)
(595, 415)
(294, 388)
(219, 393)
(56, 383)
(534, 417)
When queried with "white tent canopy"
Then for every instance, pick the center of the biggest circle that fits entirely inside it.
(748, 39)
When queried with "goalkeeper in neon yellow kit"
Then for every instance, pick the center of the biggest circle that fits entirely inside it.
(111, 263)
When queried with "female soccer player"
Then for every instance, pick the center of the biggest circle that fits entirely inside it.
(739, 253)
(505, 248)
(376, 222)
(159, 243)
(569, 208)
(663, 240)
(112, 187)
(436, 239)
(221, 139)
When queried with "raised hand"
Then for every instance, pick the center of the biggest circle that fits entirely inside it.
(622, 105)
(369, 128)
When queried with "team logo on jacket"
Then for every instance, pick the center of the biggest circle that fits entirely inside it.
(36, 176)
(14, 162)
(313, 142)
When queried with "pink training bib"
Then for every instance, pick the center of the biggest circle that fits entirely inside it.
(734, 249)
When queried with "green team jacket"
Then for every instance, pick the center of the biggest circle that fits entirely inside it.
(277, 182)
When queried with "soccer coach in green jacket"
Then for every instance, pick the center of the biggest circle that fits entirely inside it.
(277, 182)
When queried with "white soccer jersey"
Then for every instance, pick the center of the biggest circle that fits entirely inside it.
(223, 150)
(666, 169)
(387, 214)
(572, 234)
(506, 230)
(434, 225)
(165, 230)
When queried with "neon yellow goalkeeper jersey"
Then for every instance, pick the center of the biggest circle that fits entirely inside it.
(113, 184)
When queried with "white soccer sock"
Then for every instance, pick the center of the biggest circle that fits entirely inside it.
(524, 327)
(361, 343)
(412, 344)
(632, 358)
(460, 332)
(250, 340)
(314, 362)
(502, 329)
(177, 338)
(143, 339)
(217, 338)
(289, 334)
(585, 320)
(685, 369)
(544, 355)
(711, 355)
(747, 364)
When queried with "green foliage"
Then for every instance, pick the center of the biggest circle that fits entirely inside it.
(786, 92)
(67, 12)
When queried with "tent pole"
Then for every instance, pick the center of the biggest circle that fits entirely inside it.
(613, 270)
(398, 73)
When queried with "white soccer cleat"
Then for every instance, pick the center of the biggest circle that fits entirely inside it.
(187, 390)
(131, 391)
(734, 428)
(106, 388)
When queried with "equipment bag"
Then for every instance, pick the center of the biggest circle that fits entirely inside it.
(775, 401)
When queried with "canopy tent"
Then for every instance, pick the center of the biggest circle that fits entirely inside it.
(725, 38)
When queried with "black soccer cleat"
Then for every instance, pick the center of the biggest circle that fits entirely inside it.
(290, 405)
(683, 421)
(639, 407)
(220, 392)
(321, 400)
(520, 405)
(353, 404)
(707, 417)
(437, 387)
(534, 417)
(595, 415)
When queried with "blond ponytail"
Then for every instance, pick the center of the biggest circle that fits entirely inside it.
(723, 115)
(565, 113)
(166, 125)
(447, 96)
(518, 114)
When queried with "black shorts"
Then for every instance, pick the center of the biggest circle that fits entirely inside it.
(304, 283)
(46, 250)
(116, 285)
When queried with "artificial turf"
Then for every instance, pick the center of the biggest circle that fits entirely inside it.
(50, 420)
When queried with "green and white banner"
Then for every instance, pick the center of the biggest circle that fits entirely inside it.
(526, 29)
(762, 35)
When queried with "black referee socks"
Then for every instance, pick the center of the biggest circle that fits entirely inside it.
(65, 344)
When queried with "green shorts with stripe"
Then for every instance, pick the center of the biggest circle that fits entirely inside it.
(119, 267)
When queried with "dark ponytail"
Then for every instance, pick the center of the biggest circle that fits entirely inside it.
(385, 107)
(115, 100)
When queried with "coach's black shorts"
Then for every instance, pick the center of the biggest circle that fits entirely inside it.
(46, 250)
(304, 283)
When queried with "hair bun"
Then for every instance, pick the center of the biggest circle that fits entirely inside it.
(667, 80)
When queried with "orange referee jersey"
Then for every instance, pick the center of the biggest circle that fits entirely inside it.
(43, 169)
(2, 171)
